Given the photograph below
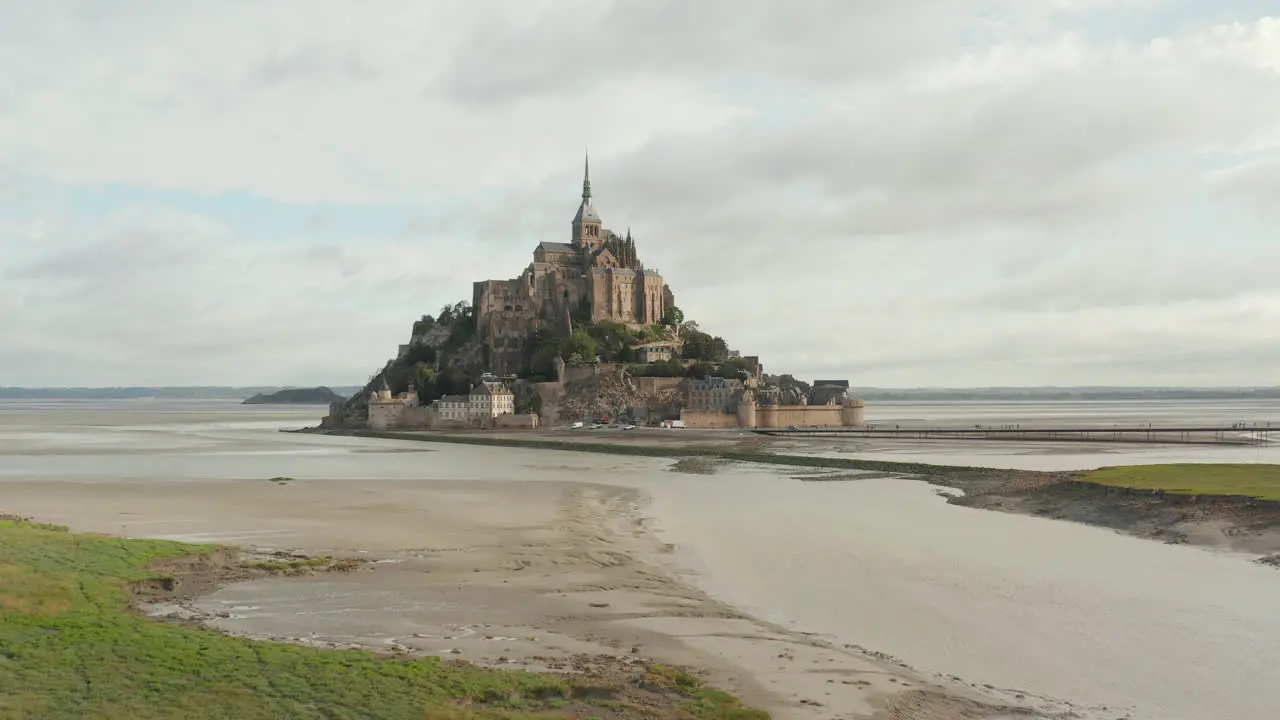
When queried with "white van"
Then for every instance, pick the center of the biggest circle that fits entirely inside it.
(576, 426)
(677, 423)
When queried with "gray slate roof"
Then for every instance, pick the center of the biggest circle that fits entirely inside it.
(557, 247)
(586, 212)
(714, 382)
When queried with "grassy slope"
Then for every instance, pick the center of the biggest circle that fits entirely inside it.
(71, 648)
(1258, 481)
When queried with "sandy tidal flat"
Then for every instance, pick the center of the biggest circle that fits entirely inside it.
(521, 575)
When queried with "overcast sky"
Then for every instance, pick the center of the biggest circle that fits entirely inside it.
(898, 192)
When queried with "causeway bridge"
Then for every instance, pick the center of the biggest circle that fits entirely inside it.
(1237, 434)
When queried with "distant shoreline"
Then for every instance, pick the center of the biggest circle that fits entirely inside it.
(201, 392)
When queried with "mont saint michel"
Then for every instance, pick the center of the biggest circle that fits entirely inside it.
(586, 332)
(879, 363)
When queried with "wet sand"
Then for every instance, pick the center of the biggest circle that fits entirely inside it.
(1208, 522)
(497, 559)
(521, 575)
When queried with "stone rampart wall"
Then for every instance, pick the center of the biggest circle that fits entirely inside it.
(708, 420)
(782, 416)
(417, 417)
(523, 421)
(383, 416)
(655, 385)
(586, 371)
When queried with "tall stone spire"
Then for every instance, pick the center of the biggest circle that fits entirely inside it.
(586, 224)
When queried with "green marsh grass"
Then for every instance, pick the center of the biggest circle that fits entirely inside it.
(72, 648)
(1256, 481)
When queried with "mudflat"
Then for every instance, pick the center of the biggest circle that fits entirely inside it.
(514, 575)
(533, 558)
(1221, 505)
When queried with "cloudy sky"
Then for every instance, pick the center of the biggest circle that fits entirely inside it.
(901, 192)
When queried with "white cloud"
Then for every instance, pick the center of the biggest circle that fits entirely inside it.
(163, 298)
(913, 192)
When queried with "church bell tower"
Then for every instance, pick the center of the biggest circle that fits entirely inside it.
(587, 230)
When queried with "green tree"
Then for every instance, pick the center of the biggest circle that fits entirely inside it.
(462, 324)
(581, 344)
(613, 340)
(698, 370)
(460, 311)
(719, 348)
(424, 378)
(697, 346)
(445, 316)
(420, 354)
(423, 325)
(666, 368)
(452, 381)
(702, 346)
(673, 317)
(734, 368)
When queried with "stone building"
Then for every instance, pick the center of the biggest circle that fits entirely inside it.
(723, 403)
(490, 398)
(488, 404)
(387, 411)
(487, 400)
(714, 394)
(597, 275)
(828, 392)
(453, 408)
(658, 351)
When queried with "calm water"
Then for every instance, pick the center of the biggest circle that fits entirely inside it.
(1058, 455)
(1076, 413)
(1066, 610)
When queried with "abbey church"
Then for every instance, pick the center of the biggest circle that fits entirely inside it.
(596, 276)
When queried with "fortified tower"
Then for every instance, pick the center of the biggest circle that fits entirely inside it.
(853, 412)
(747, 409)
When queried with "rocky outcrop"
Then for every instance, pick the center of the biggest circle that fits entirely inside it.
(442, 344)
(612, 393)
(790, 391)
